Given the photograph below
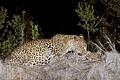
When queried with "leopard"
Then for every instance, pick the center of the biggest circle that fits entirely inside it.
(41, 51)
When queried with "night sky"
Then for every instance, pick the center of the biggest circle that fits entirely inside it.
(53, 16)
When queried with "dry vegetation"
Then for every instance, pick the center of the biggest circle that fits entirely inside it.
(69, 67)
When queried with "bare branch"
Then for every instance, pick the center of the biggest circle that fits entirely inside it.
(98, 46)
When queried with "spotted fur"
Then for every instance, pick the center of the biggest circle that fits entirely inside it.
(39, 52)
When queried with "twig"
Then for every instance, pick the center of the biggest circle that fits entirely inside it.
(98, 46)
(101, 44)
(111, 45)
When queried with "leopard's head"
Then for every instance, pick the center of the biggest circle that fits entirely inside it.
(77, 44)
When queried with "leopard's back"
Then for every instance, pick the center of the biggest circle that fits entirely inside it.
(33, 52)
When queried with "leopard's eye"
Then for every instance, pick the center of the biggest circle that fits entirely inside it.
(74, 37)
(70, 51)
(79, 54)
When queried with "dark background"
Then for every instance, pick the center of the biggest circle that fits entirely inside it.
(53, 16)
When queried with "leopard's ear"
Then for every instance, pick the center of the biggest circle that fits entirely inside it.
(81, 36)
